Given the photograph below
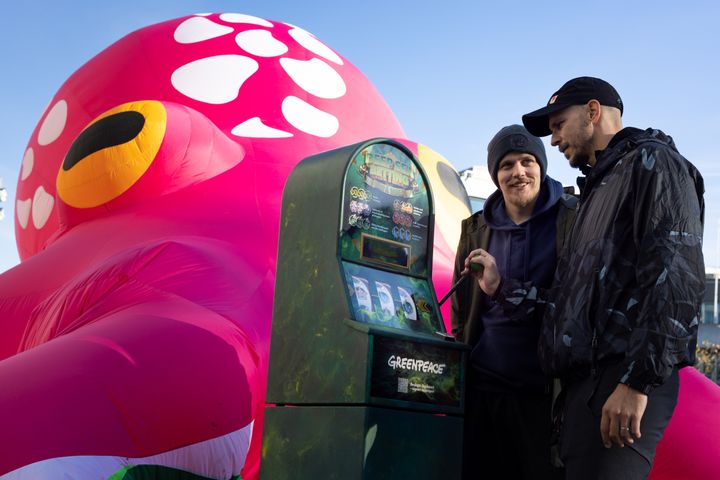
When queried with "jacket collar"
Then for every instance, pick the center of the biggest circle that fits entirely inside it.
(605, 159)
(621, 142)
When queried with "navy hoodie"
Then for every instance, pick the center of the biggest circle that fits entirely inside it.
(505, 356)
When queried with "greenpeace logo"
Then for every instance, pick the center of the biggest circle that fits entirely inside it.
(415, 364)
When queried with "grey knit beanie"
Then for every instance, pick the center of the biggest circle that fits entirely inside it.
(515, 138)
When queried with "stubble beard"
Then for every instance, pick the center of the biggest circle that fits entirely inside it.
(524, 200)
(579, 160)
(581, 155)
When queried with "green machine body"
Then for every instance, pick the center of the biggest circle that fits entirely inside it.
(364, 382)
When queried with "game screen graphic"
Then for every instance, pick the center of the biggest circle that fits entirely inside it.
(391, 300)
(386, 211)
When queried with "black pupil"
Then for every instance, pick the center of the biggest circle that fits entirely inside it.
(108, 132)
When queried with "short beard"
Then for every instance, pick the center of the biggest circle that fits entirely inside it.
(582, 157)
(579, 160)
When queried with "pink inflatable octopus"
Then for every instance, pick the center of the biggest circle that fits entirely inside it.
(135, 331)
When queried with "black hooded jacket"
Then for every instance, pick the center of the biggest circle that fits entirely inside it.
(629, 286)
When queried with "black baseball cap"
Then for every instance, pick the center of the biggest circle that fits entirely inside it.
(577, 91)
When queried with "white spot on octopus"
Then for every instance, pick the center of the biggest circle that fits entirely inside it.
(315, 77)
(255, 128)
(27, 164)
(241, 18)
(309, 119)
(308, 41)
(260, 43)
(198, 29)
(42, 206)
(54, 123)
(214, 80)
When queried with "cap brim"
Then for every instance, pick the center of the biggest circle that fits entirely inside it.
(537, 122)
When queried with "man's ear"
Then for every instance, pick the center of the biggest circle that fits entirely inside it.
(594, 111)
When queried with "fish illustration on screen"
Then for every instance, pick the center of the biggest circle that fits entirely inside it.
(387, 305)
(407, 303)
(362, 293)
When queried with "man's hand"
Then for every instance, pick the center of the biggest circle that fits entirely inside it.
(481, 265)
(621, 415)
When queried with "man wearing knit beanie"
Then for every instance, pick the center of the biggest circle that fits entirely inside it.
(523, 225)
(515, 138)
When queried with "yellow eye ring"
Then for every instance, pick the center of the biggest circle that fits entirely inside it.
(111, 154)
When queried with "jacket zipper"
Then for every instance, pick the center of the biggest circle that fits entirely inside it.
(594, 341)
(593, 355)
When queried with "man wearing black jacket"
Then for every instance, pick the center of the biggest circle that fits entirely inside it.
(622, 314)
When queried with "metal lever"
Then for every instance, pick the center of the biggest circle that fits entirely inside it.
(475, 267)
(452, 289)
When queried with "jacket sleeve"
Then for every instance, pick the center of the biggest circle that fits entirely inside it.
(668, 223)
(457, 304)
(521, 300)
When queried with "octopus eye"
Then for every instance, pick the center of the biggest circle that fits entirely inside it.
(111, 154)
(114, 130)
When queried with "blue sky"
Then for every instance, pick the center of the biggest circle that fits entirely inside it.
(453, 72)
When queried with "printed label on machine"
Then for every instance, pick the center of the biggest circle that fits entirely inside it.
(415, 372)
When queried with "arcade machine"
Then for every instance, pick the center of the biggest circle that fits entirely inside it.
(364, 382)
